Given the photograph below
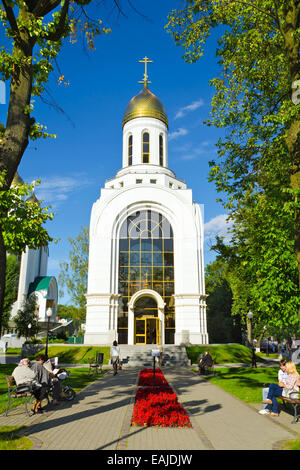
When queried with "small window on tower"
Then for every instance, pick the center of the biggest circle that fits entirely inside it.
(161, 150)
(146, 148)
(130, 150)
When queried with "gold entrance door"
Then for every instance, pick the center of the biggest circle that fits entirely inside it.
(140, 330)
(147, 330)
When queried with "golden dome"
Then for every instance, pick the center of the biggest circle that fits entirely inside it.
(145, 104)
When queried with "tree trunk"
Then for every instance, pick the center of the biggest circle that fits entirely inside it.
(292, 136)
(2, 275)
(15, 139)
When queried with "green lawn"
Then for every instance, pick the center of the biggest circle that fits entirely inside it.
(291, 445)
(244, 382)
(76, 354)
(222, 353)
(10, 439)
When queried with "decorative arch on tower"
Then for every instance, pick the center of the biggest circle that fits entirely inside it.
(144, 258)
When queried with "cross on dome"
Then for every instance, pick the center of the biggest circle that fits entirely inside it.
(145, 61)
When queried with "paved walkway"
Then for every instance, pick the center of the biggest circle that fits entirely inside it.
(99, 419)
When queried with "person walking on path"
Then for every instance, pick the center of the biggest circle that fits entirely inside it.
(115, 356)
(289, 388)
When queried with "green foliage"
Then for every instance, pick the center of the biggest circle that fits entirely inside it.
(25, 316)
(73, 274)
(258, 166)
(22, 219)
(219, 304)
(11, 287)
(69, 311)
(44, 27)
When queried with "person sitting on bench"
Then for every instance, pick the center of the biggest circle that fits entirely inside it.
(290, 388)
(25, 377)
(205, 362)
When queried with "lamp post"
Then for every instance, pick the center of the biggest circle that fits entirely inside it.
(267, 352)
(249, 326)
(49, 315)
(29, 330)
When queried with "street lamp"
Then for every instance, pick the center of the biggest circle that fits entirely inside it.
(29, 330)
(249, 326)
(267, 352)
(49, 315)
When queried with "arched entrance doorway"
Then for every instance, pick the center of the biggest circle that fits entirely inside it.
(146, 321)
(146, 318)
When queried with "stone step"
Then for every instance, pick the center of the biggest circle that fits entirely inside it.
(140, 355)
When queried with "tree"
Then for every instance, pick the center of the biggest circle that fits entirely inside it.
(74, 273)
(21, 222)
(35, 30)
(11, 287)
(257, 101)
(261, 281)
(222, 328)
(69, 311)
(27, 315)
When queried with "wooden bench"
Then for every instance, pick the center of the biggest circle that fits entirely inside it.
(96, 362)
(14, 394)
(294, 403)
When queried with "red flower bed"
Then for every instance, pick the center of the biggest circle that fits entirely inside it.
(158, 406)
(146, 377)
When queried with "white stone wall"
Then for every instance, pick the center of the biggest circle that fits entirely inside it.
(136, 127)
(108, 214)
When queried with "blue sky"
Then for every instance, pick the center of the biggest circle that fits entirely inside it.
(88, 148)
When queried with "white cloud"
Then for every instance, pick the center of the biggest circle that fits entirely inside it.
(180, 132)
(218, 226)
(56, 189)
(190, 107)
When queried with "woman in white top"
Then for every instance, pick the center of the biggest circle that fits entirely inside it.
(115, 356)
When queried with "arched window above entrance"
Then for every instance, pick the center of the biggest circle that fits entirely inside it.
(146, 262)
(145, 306)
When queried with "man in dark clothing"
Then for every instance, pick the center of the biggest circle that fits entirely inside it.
(46, 378)
(42, 377)
(205, 362)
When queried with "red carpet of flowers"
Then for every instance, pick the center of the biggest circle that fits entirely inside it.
(146, 377)
(157, 405)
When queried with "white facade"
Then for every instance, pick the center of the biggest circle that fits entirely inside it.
(33, 279)
(151, 187)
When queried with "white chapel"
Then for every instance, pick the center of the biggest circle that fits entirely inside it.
(146, 268)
